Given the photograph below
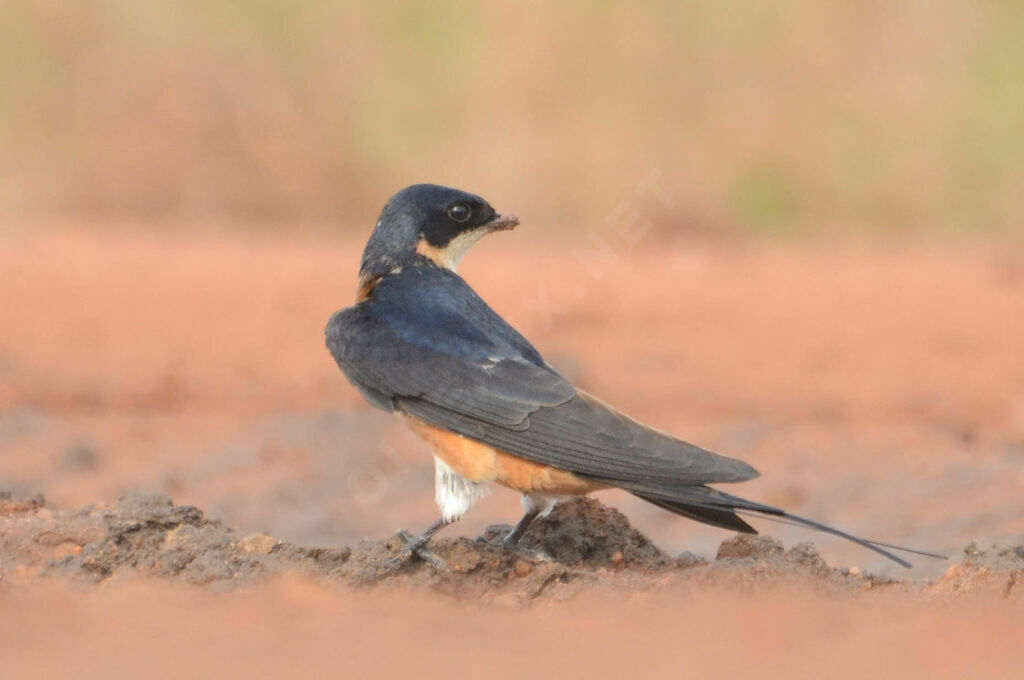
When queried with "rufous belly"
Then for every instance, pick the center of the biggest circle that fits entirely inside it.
(481, 463)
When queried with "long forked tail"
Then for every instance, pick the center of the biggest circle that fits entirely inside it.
(723, 510)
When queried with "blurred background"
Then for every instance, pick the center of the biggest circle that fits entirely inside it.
(788, 231)
(771, 117)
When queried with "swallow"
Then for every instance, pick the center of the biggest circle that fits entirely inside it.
(421, 343)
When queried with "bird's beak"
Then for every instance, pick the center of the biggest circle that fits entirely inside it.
(502, 223)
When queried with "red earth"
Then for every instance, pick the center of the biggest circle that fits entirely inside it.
(880, 388)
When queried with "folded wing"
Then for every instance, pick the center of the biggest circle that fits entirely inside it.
(493, 387)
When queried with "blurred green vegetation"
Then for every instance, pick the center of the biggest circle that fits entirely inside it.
(789, 117)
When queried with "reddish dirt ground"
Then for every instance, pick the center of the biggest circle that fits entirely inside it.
(296, 627)
(878, 388)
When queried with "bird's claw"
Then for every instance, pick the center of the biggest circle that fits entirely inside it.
(415, 546)
(529, 554)
(514, 546)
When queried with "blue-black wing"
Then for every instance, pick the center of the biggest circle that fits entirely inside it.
(427, 345)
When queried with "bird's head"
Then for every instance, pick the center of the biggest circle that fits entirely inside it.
(427, 223)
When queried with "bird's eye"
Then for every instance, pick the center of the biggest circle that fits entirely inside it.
(459, 212)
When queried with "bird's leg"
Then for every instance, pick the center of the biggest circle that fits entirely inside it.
(511, 540)
(420, 540)
(417, 545)
(520, 528)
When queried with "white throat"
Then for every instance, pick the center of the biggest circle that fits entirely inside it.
(457, 248)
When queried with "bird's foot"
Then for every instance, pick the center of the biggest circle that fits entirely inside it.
(528, 554)
(415, 547)
(511, 542)
(499, 536)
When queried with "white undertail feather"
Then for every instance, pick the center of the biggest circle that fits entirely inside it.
(454, 494)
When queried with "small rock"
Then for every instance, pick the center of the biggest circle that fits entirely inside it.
(743, 546)
(259, 544)
(144, 506)
(689, 560)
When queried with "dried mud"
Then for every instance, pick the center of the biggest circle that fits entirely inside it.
(582, 545)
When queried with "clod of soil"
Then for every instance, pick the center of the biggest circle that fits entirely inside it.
(998, 570)
(581, 545)
(143, 534)
(585, 533)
